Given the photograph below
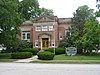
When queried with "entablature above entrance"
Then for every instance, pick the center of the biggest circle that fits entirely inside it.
(44, 35)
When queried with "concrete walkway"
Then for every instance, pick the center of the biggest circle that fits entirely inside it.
(27, 60)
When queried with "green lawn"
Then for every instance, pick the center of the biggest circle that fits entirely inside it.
(63, 57)
(6, 57)
(68, 61)
(7, 60)
(79, 59)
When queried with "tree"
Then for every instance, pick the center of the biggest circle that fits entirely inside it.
(91, 35)
(28, 9)
(66, 42)
(80, 17)
(44, 11)
(98, 5)
(9, 23)
(24, 44)
(97, 13)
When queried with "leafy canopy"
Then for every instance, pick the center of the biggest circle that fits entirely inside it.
(91, 35)
(9, 22)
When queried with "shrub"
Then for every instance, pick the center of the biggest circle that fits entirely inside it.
(24, 44)
(21, 55)
(57, 50)
(45, 55)
(32, 50)
(5, 55)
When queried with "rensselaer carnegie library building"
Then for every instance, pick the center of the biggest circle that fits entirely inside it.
(46, 31)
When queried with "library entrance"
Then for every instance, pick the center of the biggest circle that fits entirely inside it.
(45, 43)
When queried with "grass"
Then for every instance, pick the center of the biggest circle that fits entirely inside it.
(62, 59)
(6, 57)
(67, 61)
(7, 60)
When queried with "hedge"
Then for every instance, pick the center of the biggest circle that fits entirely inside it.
(21, 55)
(32, 50)
(57, 50)
(45, 55)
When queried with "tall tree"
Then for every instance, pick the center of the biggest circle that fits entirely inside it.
(80, 17)
(97, 13)
(44, 11)
(98, 5)
(9, 22)
(91, 35)
(28, 9)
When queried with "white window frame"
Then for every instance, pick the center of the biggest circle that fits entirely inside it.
(44, 28)
(60, 35)
(26, 33)
(38, 28)
(50, 28)
(36, 42)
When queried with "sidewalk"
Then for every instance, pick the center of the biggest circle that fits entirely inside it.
(27, 60)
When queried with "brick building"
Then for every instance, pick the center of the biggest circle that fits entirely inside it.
(46, 31)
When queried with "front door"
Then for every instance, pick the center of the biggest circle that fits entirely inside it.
(44, 43)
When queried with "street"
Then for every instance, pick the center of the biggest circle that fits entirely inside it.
(48, 69)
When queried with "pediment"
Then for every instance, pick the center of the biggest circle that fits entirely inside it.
(45, 19)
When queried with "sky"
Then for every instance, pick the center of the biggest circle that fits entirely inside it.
(65, 8)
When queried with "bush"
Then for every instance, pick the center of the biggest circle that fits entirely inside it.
(5, 55)
(57, 50)
(45, 55)
(32, 50)
(21, 55)
(24, 44)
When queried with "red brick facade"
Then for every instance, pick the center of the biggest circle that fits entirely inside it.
(45, 32)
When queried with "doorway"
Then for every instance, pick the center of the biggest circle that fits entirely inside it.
(44, 43)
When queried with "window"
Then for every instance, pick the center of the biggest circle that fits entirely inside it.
(60, 36)
(45, 28)
(68, 33)
(36, 43)
(28, 35)
(50, 28)
(38, 28)
(53, 44)
(25, 35)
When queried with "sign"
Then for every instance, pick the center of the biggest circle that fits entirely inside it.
(71, 51)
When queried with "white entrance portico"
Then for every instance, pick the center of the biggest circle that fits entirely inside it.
(44, 40)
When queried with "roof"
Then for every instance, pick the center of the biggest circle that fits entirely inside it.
(27, 23)
(45, 19)
(64, 20)
(42, 19)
